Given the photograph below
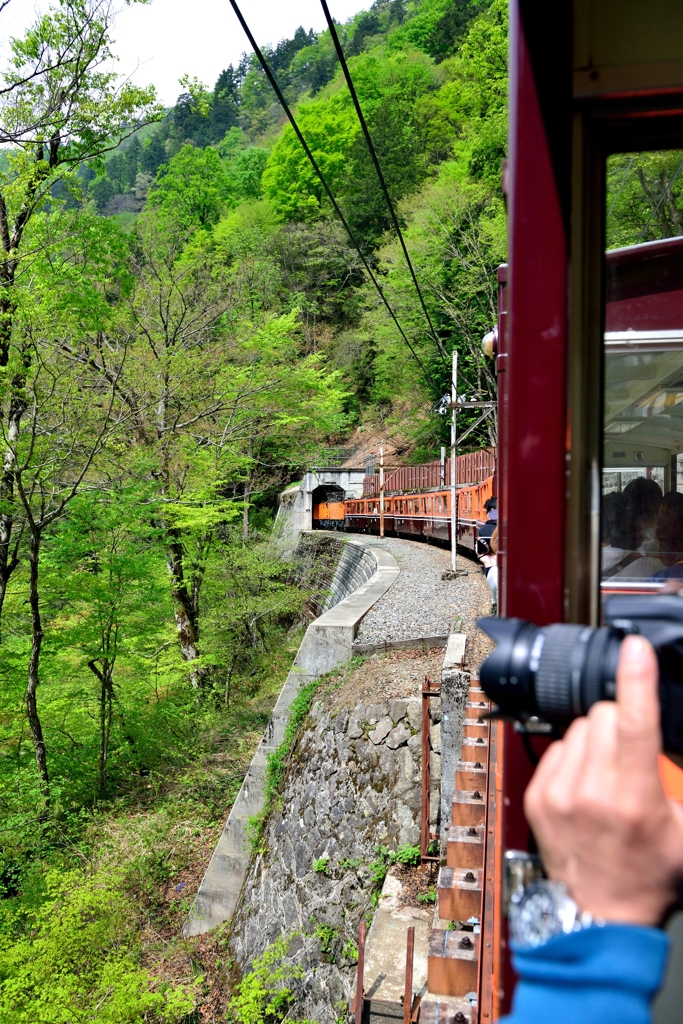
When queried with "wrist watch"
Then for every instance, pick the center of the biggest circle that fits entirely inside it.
(543, 910)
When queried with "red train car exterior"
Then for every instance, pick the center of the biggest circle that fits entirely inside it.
(588, 78)
(471, 468)
(417, 516)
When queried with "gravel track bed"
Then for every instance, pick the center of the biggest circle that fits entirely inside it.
(420, 603)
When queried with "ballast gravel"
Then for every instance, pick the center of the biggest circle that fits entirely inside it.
(422, 604)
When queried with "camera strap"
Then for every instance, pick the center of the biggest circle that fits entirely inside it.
(632, 556)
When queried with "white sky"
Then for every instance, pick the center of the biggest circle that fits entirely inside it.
(169, 38)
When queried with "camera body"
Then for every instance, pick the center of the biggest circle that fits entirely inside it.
(556, 673)
(482, 546)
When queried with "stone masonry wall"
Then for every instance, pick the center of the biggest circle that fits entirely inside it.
(353, 783)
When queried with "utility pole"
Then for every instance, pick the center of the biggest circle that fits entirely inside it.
(381, 491)
(442, 479)
(454, 500)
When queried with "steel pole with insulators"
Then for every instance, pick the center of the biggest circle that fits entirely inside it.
(454, 506)
(382, 492)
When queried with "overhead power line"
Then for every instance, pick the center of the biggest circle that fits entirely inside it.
(285, 106)
(378, 169)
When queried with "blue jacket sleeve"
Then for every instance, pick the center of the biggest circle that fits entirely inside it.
(596, 976)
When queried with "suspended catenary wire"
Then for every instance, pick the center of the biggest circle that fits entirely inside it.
(264, 64)
(378, 169)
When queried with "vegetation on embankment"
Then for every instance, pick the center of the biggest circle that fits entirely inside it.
(91, 927)
(164, 371)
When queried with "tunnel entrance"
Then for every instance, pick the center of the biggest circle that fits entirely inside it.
(324, 517)
(327, 492)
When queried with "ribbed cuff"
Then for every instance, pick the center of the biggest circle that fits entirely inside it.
(594, 976)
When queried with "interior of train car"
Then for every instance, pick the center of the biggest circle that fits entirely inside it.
(642, 475)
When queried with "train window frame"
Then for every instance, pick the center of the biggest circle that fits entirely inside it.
(600, 134)
(637, 368)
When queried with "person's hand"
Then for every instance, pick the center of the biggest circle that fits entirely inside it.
(598, 809)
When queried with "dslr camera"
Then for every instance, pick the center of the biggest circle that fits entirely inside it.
(556, 673)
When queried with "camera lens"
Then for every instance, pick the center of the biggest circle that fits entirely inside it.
(575, 670)
(557, 672)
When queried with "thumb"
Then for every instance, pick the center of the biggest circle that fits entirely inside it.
(638, 719)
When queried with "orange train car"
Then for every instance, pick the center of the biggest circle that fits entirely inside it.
(418, 516)
(329, 511)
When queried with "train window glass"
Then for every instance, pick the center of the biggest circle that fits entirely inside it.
(642, 477)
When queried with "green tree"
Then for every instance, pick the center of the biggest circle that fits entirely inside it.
(69, 399)
(388, 88)
(245, 174)
(193, 188)
(79, 958)
(205, 387)
(225, 104)
(437, 26)
(477, 94)
(644, 198)
(61, 107)
(289, 181)
(101, 572)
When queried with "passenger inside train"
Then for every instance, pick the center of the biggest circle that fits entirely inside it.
(642, 477)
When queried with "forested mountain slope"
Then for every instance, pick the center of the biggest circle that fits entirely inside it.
(184, 325)
(432, 81)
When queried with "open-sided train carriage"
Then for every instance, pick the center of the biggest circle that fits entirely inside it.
(419, 514)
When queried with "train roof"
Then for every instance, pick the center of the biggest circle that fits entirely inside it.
(644, 286)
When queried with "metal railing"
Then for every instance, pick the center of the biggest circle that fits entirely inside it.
(472, 468)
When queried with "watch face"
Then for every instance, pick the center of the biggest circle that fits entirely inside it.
(536, 918)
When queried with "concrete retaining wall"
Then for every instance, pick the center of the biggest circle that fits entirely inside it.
(356, 566)
(327, 644)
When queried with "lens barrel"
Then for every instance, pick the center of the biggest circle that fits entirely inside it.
(576, 668)
(557, 672)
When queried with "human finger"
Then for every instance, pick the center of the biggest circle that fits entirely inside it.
(601, 750)
(639, 731)
(561, 788)
(554, 783)
(545, 770)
